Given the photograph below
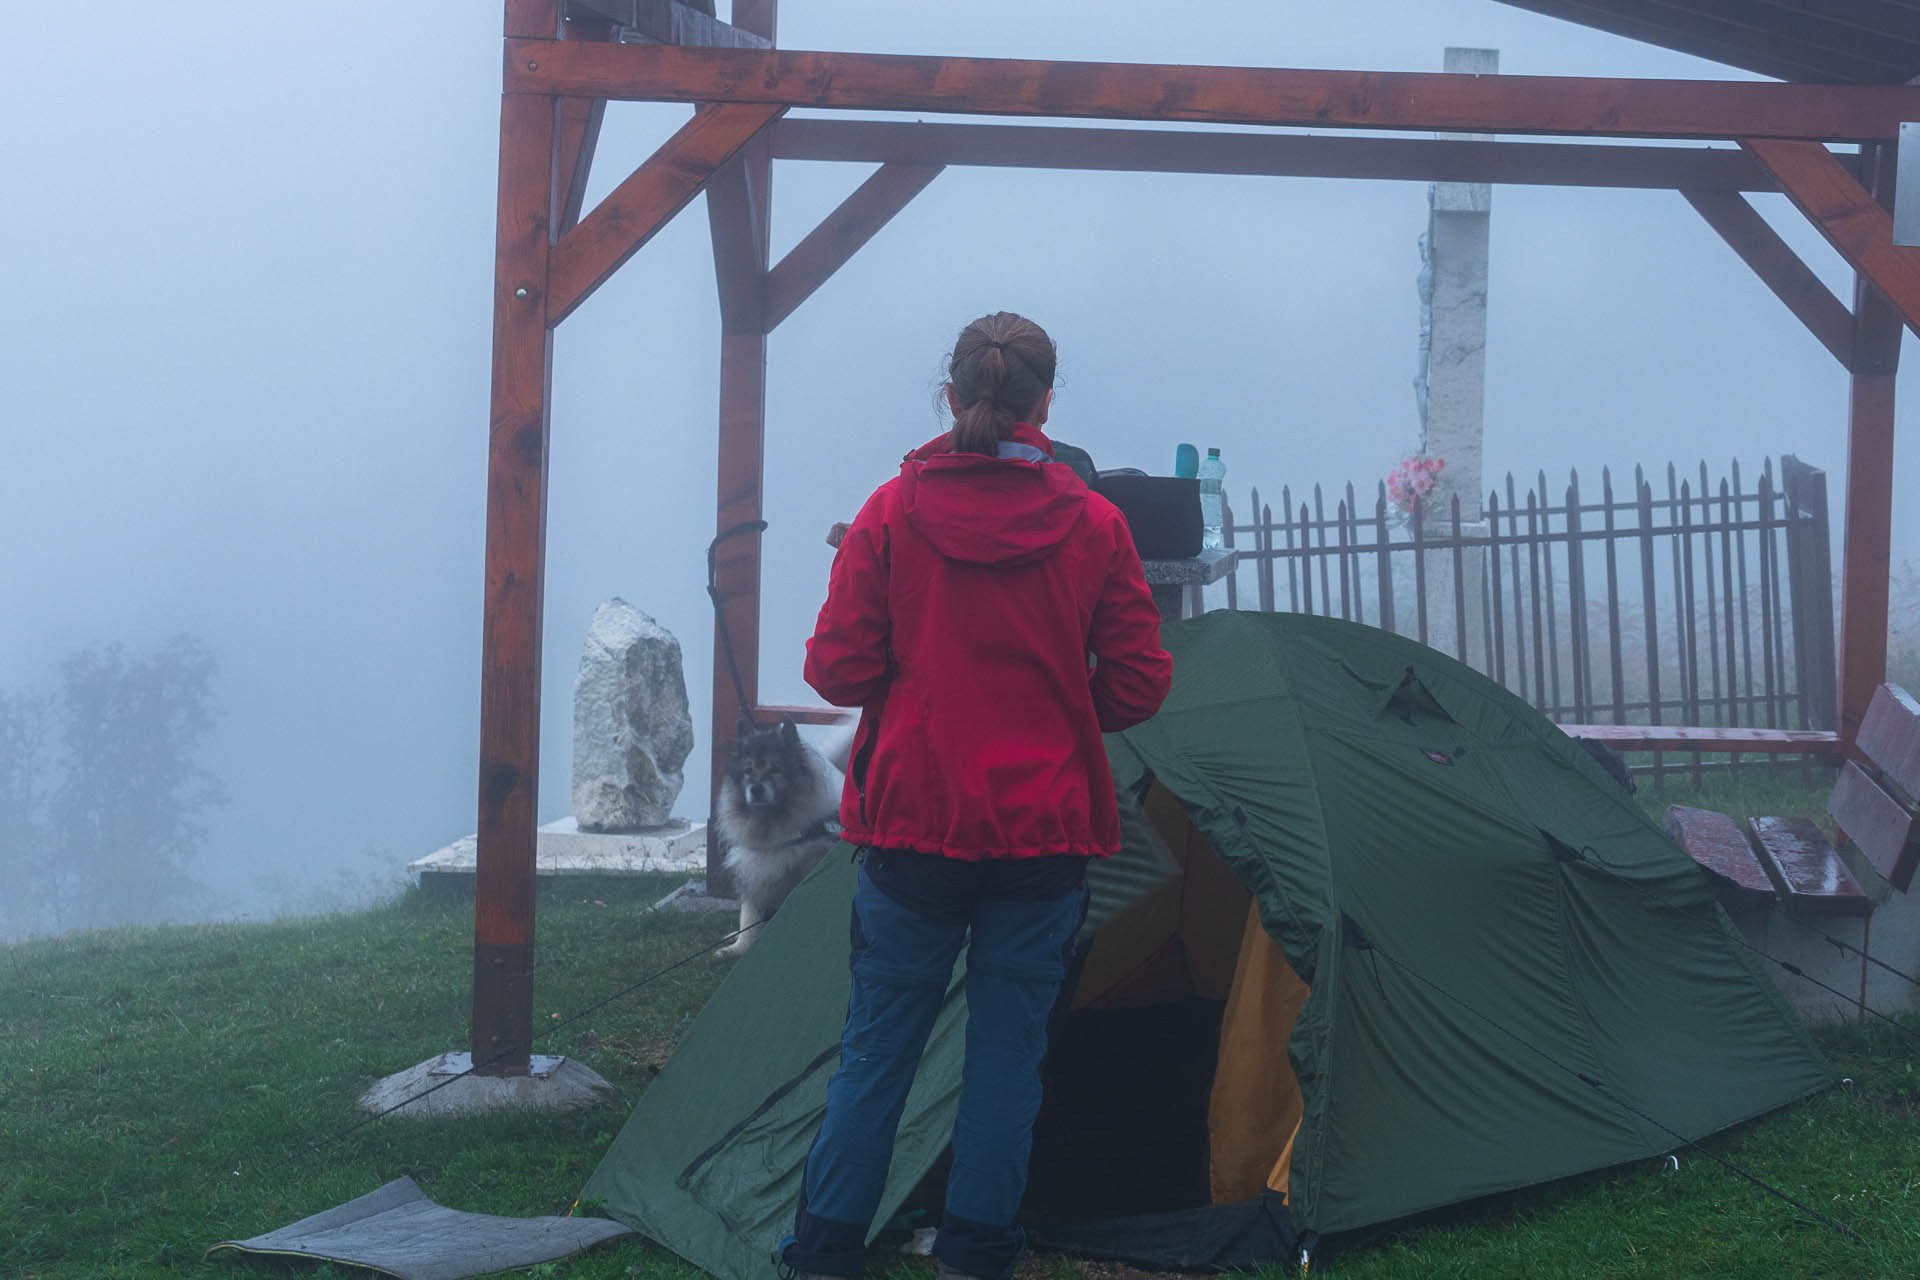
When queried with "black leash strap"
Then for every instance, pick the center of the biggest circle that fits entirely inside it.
(720, 614)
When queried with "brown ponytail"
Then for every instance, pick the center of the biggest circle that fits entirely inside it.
(1002, 368)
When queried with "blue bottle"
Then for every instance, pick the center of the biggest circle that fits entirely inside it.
(1186, 461)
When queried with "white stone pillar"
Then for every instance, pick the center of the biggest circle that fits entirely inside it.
(1454, 284)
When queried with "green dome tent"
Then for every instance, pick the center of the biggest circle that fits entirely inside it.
(1382, 939)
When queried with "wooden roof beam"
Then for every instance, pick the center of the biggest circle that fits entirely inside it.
(1822, 51)
(1568, 164)
(666, 22)
(1424, 101)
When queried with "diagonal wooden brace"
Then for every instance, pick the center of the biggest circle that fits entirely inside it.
(841, 234)
(1847, 214)
(648, 198)
(1779, 268)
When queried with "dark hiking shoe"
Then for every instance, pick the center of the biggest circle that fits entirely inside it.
(785, 1270)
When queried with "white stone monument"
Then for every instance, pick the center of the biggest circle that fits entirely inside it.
(632, 733)
(632, 727)
(1452, 384)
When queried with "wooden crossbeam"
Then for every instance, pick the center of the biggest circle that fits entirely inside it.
(633, 211)
(1779, 268)
(840, 235)
(1640, 737)
(1557, 164)
(1847, 214)
(1227, 95)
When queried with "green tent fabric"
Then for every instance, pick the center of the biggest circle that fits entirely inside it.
(1511, 976)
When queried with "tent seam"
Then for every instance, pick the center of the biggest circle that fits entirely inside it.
(1326, 967)
(1580, 1005)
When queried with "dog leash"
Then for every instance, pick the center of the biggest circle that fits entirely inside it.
(720, 614)
(826, 828)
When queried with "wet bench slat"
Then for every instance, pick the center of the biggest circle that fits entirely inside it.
(1879, 825)
(1890, 737)
(1874, 804)
(1809, 872)
(1720, 845)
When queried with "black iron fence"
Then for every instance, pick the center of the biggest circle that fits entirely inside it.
(1704, 603)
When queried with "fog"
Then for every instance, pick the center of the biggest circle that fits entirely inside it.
(246, 361)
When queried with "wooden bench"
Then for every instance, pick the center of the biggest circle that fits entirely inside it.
(1740, 741)
(1723, 847)
(1788, 860)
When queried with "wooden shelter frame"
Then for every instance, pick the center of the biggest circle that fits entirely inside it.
(551, 254)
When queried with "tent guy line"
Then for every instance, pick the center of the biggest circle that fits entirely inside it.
(1599, 1086)
(1798, 972)
(1848, 946)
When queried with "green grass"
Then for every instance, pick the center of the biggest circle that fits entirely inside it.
(1747, 792)
(162, 1087)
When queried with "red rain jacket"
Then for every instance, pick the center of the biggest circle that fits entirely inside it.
(963, 605)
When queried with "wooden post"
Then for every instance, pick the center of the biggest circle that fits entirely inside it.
(1867, 555)
(515, 562)
(742, 437)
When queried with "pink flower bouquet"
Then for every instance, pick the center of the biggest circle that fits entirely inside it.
(1412, 481)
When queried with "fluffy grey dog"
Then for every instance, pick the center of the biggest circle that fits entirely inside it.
(776, 811)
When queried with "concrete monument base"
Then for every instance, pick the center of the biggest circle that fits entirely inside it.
(562, 849)
(440, 1087)
(693, 896)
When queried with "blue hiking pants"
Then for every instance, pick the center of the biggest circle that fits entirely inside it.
(905, 938)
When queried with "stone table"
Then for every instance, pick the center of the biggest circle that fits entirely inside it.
(1176, 583)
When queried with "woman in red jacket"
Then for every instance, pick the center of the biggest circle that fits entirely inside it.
(988, 615)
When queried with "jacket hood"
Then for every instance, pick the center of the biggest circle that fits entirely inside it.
(1005, 510)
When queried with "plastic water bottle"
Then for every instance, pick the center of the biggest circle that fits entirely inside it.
(1213, 479)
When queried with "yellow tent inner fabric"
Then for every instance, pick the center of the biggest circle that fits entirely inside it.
(1197, 935)
(1256, 1107)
